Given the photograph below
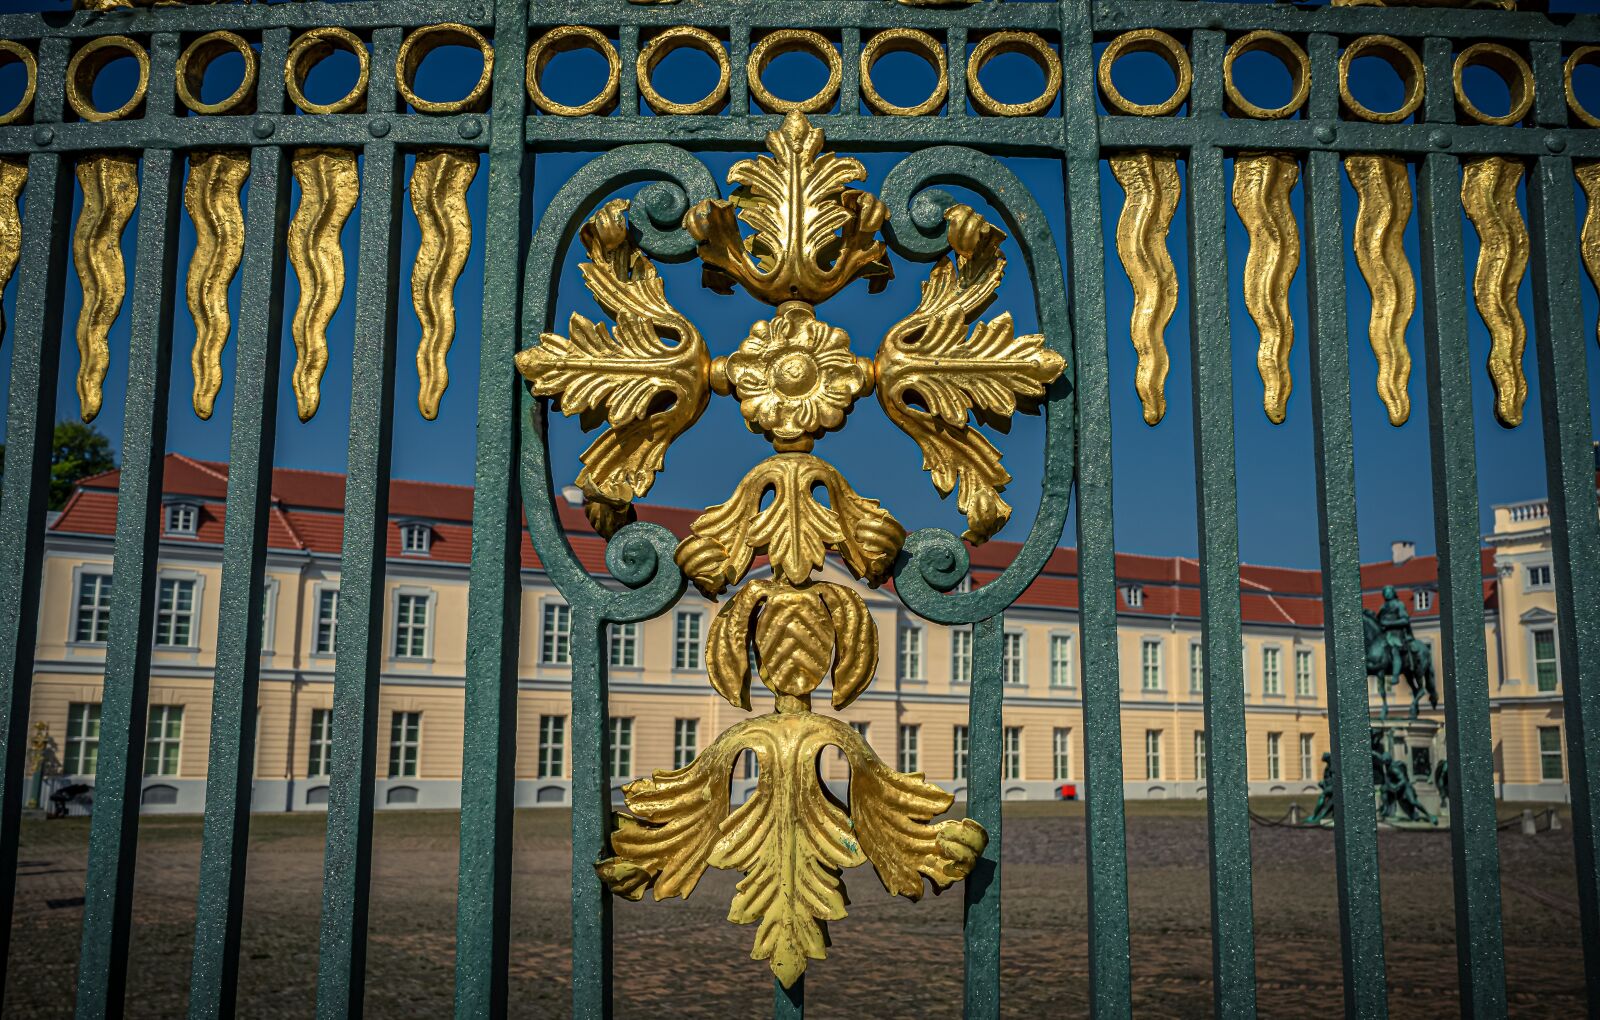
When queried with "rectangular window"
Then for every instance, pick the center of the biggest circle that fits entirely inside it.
(321, 742)
(752, 765)
(1200, 755)
(1540, 576)
(1307, 754)
(861, 731)
(1061, 751)
(327, 620)
(1197, 668)
(1013, 752)
(182, 518)
(621, 747)
(175, 614)
(625, 644)
(266, 618)
(910, 755)
(1150, 665)
(1013, 660)
(1152, 754)
(83, 739)
(1272, 671)
(910, 654)
(961, 656)
(405, 741)
(1550, 753)
(1133, 595)
(1422, 599)
(94, 608)
(414, 539)
(686, 643)
(685, 741)
(958, 763)
(411, 627)
(1274, 763)
(555, 635)
(161, 740)
(1061, 660)
(552, 746)
(1304, 686)
(1545, 670)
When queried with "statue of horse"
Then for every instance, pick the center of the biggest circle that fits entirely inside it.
(1416, 665)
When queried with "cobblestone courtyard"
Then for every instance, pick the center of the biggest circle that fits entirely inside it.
(889, 958)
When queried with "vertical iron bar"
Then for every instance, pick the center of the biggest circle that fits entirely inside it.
(1355, 838)
(1469, 745)
(1228, 789)
(114, 830)
(359, 654)
(224, 848)
(494, 596)
(1570, 467)
(789, 1003)
(981, 918)
(956, 45)
(591, 817)
(35, 337)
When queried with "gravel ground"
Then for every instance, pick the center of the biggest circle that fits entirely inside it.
(889, 958)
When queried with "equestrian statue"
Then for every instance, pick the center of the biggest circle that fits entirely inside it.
(1393, 651)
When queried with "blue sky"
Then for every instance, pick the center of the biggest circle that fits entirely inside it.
(1154, 467)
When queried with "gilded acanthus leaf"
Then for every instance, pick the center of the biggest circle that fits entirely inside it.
(932, 374)
(647, 380)
(891, 811)
(439, 185)
(1262, 182)
(1489, 195)
(13, 175)
(814, 234)
(794, 530)
(212, 197)
(1152, 185)
(799, 634)
(1383, 192)
(110, 183)
(329, 187)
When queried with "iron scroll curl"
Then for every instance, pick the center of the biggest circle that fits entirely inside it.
(933, 560)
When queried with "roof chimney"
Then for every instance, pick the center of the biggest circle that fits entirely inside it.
(1402, 550)
(572, 494)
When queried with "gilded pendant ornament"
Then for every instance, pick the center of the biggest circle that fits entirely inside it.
(1383, 193)
(439, 198)
(212, 197)
(1262, 182)
(13, 175)
(1589, 240)
(329, 186)
(1151, 183)
(796, 379)
(110, 184)
(1489, 195)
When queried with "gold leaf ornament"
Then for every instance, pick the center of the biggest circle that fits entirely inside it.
(1262, 182)
(13, 175)
(1588, 175)
(110, 183)
(439, 183)
(1383, 192)
(932, 373)
(212, 197)
(800, 632)
(1489, 196)
(329, 187)
(1151, 183)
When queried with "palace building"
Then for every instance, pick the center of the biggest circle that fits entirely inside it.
(662, 708)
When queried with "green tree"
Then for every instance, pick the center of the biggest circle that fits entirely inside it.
(76, 451)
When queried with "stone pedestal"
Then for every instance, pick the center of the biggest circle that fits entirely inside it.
(1419, 744)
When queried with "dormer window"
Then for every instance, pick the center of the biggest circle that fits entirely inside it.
(1422, 599)
(415, 539)
(183, 519)
(1133, 595)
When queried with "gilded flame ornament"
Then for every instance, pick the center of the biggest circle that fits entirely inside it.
(796, 379)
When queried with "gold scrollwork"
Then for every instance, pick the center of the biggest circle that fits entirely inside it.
(1262, 182)
(308, 50)
(1383, 193)
(110, 183)
(1489, 195)
(12, 52)
(684, 36)
(439, 183)
(198, 55)
(1588, 175)
(795, 40)
(1146, 40)
(329, 187)
(562, 40)
(425, 40)
(1031, 45)
(211, 196)
(87, 63)
(1151, 183)
(13, 175)
(905, 40)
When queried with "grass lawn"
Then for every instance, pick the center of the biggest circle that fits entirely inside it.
(890, 958)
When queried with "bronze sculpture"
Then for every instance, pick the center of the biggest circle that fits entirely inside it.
(1393, 651)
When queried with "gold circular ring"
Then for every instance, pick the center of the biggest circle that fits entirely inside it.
(678, 38)
(1285, 49)
(1030, 45)
(424, 41)
(1147, 40)
(564, 40)
(308, 50)
(1589, 55)
(1511, 68)
(15, 53)
(795, 40)
(905, 40)
(1397, 55)
(86, 64)
(198, 55)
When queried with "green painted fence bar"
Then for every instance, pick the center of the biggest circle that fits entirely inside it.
(985, 755)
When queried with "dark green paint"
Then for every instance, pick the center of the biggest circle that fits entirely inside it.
(985, 755)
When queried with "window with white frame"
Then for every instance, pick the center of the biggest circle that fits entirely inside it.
(162, 739)
(93, 616)
(910, 653)
(1061, 751)
(182, 519)
(415, 539)
(1013, 660)
(686, 641)
(621, 747)
(83, 739)
(1150, 665)
(1012, 759)
(321, 744)
(552, 746)
(685, 741)
(555, 634)
(266, 616)
(1274, 756)
(861, 731)
(327, 628)
(910, 755)
(1197, 668)
(1307, 755)
(1271, 671)
(1200, 755)
(1061, 660)
(175, 613)
(1152, 754)
(1541, 575)
(752, 764)
(1550, 753)
(961, 656)
(625, 644)
(959, 756)
(1422, 599)
(1546, 670)
(1304, 684)
(411, 626)
(405, 743)
(1133, 595)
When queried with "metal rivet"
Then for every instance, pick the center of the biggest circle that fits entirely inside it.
(263, 127)
(471, 127)
(378, 128)
(1555, 143)
(1439, 139)
(43, 135)
(1326, 133)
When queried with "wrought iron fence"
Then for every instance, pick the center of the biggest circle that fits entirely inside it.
(269, 132)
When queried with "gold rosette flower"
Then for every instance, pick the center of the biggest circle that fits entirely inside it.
(794, 376)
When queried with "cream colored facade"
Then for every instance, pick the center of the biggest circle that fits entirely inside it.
(663, 709)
